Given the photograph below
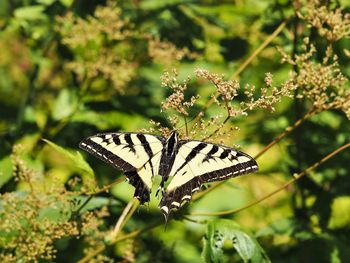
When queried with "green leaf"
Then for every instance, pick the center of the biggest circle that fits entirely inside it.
(284, 226)
(66, 3)
(244, 243)
(65, 104)
(340, 217)
(46, 2)
(75, 157)
(109, 120)
(5, 170)
(34, 12)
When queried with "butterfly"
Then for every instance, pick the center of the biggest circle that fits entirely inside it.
(187, 164)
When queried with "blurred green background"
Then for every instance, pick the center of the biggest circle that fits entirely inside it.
(70, 69)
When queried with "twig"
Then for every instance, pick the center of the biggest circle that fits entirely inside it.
(106, 188)
(124, 217)
(297, 177)
(95, 252)
(279, 138)
(90, 196)
(121, 219)
(76, 212)
(135, 233)
(130, 214)
(286, 132)
(223, 123)
(258, 50)
(202, 222)
(240, 69)
(186, 126)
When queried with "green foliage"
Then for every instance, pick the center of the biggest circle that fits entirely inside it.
(75, 157)
(211, 69)
(244, 243)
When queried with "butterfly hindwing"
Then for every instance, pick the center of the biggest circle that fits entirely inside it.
(197, 163)
(136, 154)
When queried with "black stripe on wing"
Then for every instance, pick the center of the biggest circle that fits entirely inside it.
(142, 192)
(147, 149)
(184, 192)
(103, 154)
(238, 169)
(191, 155)
(178, 196)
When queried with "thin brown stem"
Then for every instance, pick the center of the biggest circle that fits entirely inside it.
(286, 132)
(122, 219)
(223, 123)
(186, 126)
(284, 186)
(133, 234)
(278, 138)
(94, 253)
(90, 195)
(209, 189)
(138, 232)
(240, 69)
(107, 187)
(258, 50)
(130, 214)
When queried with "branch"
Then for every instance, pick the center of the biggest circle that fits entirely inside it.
(297, 177)
(106, 188)
(90, 195)
(287, 131)
(124, 217)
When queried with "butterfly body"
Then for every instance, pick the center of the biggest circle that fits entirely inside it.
(187, 164)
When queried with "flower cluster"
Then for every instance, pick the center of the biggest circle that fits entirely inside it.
(331, 24)
(224, 95)
(176, 100)
(33, 219)
(322, 83)
(101, 44)
(166, 53)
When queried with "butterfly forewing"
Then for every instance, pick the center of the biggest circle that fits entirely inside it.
(197, 163)
(136, 154)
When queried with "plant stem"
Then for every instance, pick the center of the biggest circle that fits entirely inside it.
(267, 147)
(258, 50)
(186, 126)
(95, 252)
(296, 177)
(135, 233)
(138, 232)
(106, 188)
(122, 219)
(286, 132)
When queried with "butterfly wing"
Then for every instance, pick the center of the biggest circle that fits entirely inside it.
(197, 163)
(136, 154)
